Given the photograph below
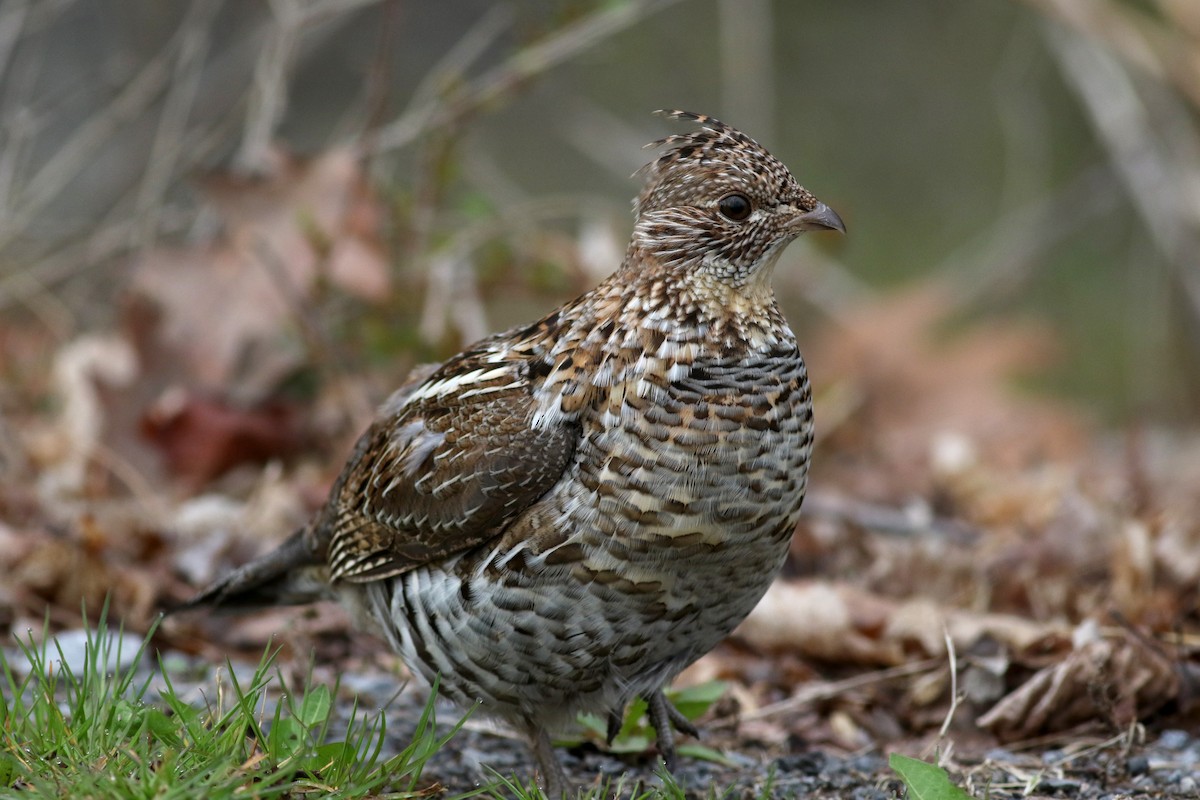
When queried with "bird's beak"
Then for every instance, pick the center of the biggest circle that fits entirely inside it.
(820, 218)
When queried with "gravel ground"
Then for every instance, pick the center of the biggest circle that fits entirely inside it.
(1165, 765)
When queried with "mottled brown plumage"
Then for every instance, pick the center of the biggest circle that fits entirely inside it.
(567, 514)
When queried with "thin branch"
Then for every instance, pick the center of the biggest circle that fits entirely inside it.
(523, 65)
(824, 690)
(462, 54)
(268, 95)
(78, 152)
(320, 10)
(167, 149)
(748, 73)
(12, 23)
(952, 656)
(285, 38)
(885, 519)
(20, 126)
(1162, 181)
(1139, 38)
(453, 292)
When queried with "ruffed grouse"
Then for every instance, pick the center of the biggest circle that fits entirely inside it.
(567, 514)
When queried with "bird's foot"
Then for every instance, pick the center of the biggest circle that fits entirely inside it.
(664, 717)
(553, 776)
(616, 719)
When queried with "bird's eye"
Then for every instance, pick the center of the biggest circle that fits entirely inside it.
(734, 207)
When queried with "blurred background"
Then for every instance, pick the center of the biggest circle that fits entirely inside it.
(1035, 159)
(228, 229)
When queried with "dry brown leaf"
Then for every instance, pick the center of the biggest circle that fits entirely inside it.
(1112, 680)
(843, 624)
(303, 210)
(835, 623)
(217, 303)
(202, 437)
(225, 302)
(920, 625)
(214, 533)
(67, 574)
(63, 451)
(360, 267)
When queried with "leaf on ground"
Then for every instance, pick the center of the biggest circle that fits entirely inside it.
(69, 572)
(693, 701)
(1113, 680)
(315, 706)
(65, 448)
(702, 752)
(203, 436)
(835, 623)
(844, 624)
(925, 781)
(636, 734)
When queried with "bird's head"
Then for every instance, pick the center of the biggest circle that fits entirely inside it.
(717, 204)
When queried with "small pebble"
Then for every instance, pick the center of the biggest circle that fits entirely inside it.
(370, 685)
(811, 763)
(71, 648)
(868, 793)
(1052, 756)
(1174, 740)
(1060, 786)
(866, 764)
(1137, 765)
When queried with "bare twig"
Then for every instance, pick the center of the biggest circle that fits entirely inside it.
(280, 52)
(1001, 259)
(952, 655)
(815, 692)
(606, 139)
(12, 23)
(320, 10)
(459, 58)
(78, 151)
(1140, 38)
(19, 126)
(527, 63)
(884, 519)
(747, 73)
(48, 269)
(1161, 176)
(452, 295)
(453, 291)
(943, 755)
(166, 151)
(268, 95)
(367, 112)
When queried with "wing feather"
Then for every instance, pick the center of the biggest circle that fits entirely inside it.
(448, 466)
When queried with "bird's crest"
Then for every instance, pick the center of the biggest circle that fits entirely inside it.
(713, 155)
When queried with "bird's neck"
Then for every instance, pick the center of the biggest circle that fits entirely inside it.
(691, 302)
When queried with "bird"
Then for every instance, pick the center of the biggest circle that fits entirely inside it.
(565, 515)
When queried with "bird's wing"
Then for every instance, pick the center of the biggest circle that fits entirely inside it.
(450, 463)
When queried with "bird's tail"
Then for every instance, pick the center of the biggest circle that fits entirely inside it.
(288, 575)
